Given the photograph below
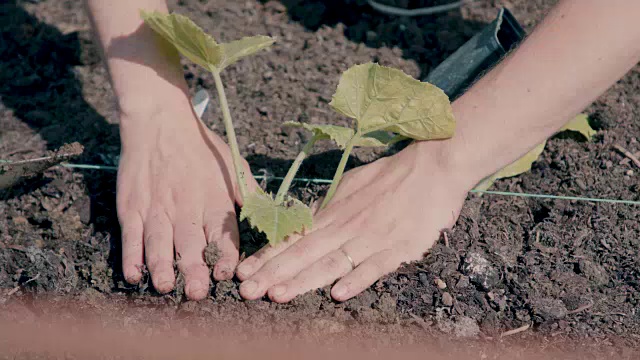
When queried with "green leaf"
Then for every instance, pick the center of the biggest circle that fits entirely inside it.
(186, 36)
(515, 168)
(341, 135)
(277, 221)
(196, 45)
(383, 98)
(580, 124)
(246, 46)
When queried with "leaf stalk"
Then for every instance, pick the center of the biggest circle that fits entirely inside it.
(293, 170)
(340, 170)
(231, 135)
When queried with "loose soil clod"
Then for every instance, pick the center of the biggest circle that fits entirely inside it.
(211, 254)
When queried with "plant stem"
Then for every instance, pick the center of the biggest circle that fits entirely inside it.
(293, 170)
(340, 170)
(231, 136)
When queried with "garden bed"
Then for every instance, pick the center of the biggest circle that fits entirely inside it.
(570, 269)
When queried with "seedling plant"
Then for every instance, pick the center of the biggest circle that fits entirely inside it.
(386, 106)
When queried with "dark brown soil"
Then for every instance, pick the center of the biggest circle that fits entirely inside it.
(569, 268)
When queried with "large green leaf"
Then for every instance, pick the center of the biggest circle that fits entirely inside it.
(276, 220)
(192, 42)
(341, 135)
(515, 168)
(383, 98)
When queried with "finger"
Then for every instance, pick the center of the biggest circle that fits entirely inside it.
(290, 262)
(256, 261)
(221, 228)
(365, 274)
(132, 249)
(323, 272)
(190, 242)
(158, 245)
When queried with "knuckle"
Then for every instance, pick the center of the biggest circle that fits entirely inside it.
(214, 230)
(330, 261)
(188, 231)
(155, 264)
(153, 236)
(192, 269)
(299, 249)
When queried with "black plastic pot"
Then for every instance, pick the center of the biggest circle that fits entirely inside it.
(476, 56)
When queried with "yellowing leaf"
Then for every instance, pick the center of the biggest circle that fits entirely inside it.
(379, 138)
(515, 168)
(277, 221)
(341, 135)
(580, 124)
(246, 46)
(192, 42)
(383, 98)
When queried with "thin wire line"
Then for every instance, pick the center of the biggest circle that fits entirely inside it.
(327, 181)
(557, 197)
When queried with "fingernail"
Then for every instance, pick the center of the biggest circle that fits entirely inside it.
(249, 287)
(339, 291)
(279, 290)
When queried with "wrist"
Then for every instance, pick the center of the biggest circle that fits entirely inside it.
(148, 120)
(443, 157)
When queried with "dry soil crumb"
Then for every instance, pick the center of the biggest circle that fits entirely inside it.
(226, 290)
(180, 284)
(211, 254)
(309, 302)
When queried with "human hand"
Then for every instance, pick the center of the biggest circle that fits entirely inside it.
(176, 189)
(383, 214)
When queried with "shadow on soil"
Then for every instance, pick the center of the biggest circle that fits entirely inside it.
(427, 40)
(39, 84)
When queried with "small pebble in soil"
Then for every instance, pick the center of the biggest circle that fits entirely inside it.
(463, 282)
(424, 279)
(480, 271)
(440, 284)
(629, 172)
(548, 309)
(447, 299)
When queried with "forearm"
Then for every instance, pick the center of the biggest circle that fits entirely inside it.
(145, 71)
(575, 54)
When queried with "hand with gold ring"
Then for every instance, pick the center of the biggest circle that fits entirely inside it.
(385, 213)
